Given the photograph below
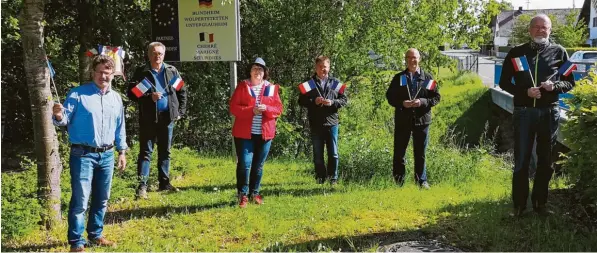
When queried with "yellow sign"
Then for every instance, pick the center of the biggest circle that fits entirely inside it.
(209, 30)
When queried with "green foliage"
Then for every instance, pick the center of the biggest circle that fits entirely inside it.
(467, 78)
(572, 33)
(366, 131)
(490, 11)
(21, 212)
(344, 30)
(520, 29)
(580, 136)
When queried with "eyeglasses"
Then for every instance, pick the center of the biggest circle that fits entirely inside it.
(538, 27)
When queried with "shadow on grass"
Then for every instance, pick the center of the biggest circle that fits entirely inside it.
(479, 226)
(35, 248)
(120, 216)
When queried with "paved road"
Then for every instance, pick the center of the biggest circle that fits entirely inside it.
(486, 70)
(486, 65)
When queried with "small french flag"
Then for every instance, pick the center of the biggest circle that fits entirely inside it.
(520, 63)
(177, 83)
(306, 86)
(141, 87)
(403, 81)
(339, 87)
(269, 90)
(567, 68)
(430, 84)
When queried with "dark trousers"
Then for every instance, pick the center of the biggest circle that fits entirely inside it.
(531, 123)
(325, 136)
(150, 132)
(402, 135)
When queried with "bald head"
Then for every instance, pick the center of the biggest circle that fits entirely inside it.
(540, 28)
(540, 17)
(412, 59)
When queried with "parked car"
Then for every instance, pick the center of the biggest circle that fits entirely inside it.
(584, 59)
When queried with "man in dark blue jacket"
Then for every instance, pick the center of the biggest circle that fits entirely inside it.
(412, 92)
(161, 96)
(323, 96)
(534, 67)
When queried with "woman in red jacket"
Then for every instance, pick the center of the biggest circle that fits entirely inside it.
(255, 105)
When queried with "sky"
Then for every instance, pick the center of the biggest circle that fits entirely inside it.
(546, 4)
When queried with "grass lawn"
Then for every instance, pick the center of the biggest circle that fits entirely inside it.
(300, 215)
(468, 211)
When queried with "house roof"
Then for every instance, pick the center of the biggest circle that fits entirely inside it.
(507, 18)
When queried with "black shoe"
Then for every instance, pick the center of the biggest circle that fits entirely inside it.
(424, 186)
(517, 212)
(142, 192)
(543, 210)
(333, 182)
(169, 188)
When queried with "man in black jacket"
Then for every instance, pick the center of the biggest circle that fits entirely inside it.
(161, 96)
(323, 95)
(534, 67)
(412, 92)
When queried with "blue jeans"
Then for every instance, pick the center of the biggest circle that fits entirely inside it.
(325, 136)
(91, 176)
(150, 132)
(251, 155)
(531, 123)
(402, 135)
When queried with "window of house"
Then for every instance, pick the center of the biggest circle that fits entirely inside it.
(595, 22)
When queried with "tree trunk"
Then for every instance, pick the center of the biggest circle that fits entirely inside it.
(86, 37)
(49, 166)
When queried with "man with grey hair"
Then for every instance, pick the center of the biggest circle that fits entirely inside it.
(537, 85)
(161, 96)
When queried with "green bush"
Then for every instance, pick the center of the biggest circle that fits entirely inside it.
(580, 136)
(21, 212)
(466, 78)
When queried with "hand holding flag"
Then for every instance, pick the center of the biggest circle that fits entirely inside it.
(142, 87)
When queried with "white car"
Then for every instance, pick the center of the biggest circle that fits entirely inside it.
(584, 59)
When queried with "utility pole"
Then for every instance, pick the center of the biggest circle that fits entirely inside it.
(528, 4)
